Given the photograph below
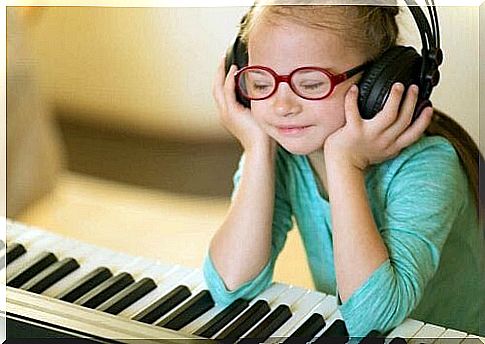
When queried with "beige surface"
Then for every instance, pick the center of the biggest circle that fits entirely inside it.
(144, 222)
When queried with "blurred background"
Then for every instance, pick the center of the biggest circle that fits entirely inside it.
(113, 137)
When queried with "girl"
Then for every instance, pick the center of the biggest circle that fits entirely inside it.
(386, 208)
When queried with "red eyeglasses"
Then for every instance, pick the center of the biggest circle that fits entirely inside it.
(311, 83)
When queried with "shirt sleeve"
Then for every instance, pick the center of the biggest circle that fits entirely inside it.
(424, 197)
(282, 223)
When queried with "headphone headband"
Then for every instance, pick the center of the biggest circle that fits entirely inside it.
(431, 51)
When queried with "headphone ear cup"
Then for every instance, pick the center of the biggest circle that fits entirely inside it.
(237, 54)
(397, 64)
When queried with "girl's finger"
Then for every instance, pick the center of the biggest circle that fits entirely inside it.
(352, 113)
(405, 114)
(414, 132)
(230, 90)
(389, 113)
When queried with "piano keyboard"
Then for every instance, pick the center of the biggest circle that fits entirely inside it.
(85, 291)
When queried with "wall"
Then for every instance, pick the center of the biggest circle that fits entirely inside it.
(151, 69)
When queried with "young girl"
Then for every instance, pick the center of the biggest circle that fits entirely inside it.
(387, 208)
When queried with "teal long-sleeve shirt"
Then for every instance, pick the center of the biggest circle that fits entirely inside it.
(425, 212)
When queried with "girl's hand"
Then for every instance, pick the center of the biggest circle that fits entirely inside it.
(363, 142)
(234, 116)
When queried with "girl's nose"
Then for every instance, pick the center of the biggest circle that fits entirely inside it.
(285, 101)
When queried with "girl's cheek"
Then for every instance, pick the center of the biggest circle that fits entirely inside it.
(258, 112)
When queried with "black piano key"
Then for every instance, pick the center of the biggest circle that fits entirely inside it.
(271, 323)
(105, 290)
(373, 337)
(14, 251)
(306, 331)
(51, 275)
(128, 296)
(188, 312)
(85, 284)
(163, 305)
(223, 318)
(337, 331)
(398, 340)
(34, 266)
(247, 320)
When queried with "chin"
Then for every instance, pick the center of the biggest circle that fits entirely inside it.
(299, 149)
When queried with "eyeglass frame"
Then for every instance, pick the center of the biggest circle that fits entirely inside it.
(335, 79)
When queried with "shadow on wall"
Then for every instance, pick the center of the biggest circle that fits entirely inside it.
(202, 168)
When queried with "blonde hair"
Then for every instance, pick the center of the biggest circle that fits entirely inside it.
(371, 30)
(370, 40)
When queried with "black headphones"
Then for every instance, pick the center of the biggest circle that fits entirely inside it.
(397, 64)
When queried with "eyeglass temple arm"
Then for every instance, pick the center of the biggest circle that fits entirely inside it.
(348, 74)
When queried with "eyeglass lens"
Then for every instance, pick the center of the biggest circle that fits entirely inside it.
(309, 83)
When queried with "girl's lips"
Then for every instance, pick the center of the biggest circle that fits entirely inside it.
(292, 130)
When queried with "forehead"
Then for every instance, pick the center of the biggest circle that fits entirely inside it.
(285, 45)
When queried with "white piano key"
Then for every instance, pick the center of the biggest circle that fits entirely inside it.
(269, 295)
(11, 234)
(168, 276)
(62, 248)
(85, 268)
(153, 270)
(178, 276)
(334, 316)
(406, 330)
(162, 289)
(197, 284)
(427, 334)
(330, 313)
(473, 339)
(289, 297)
(90, 258)
(32, 251)
(133, 266)
(302, 310)
(203, 319)
(16, 229)
(28, 237)
(327, 307)
(194, 282)
(451, 336)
